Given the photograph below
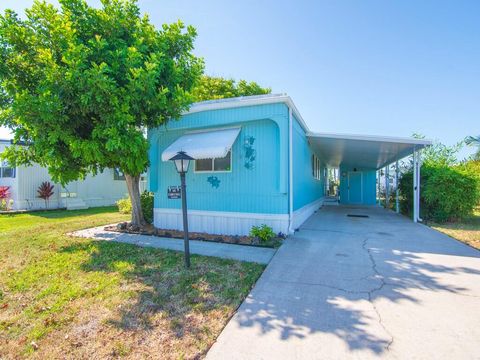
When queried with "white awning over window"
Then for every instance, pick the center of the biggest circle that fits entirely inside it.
(203, 145)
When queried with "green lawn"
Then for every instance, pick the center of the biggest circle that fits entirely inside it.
(63, 297)
(467, 231)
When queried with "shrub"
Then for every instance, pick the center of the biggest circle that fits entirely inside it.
(447, 193)
(124, 206)
(45, 192)
(4, 192)
(146, 200)
(471, 168)
(263, 232)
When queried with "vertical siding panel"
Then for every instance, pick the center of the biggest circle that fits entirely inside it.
(306, 189)
(255, 190)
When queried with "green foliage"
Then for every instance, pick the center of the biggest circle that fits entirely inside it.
(474, 141)
(124, 206)
(213, 88)
(146, 199)
(471, 168)
(447, 193)
(439, 154)
(80, 84)
(263, 232)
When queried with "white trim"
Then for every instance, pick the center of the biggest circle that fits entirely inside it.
(397, 190)
(291, 228)
(415, 199)
(302, 214)
(215, 143)
(370, 138)
(218, 222)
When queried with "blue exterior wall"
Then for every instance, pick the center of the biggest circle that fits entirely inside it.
(368, 185)
(255, 185)
(306, 189)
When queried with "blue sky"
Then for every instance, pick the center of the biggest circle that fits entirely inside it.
(370, 67)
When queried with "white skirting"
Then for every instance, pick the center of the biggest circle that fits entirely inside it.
(302, 214)
(218, 222)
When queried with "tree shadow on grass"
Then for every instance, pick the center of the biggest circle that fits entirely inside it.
(312, 291)
(161, 288)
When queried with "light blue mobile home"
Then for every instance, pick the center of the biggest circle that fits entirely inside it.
(256, 163)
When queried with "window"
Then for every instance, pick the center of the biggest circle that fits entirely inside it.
(316, 172)
(118, 174)
(214, 165)
(6, 171)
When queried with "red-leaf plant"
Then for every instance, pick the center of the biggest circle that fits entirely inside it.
(4, 192)
(4, 196)
(45, 191)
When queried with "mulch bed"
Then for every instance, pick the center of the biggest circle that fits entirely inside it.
(176, 234)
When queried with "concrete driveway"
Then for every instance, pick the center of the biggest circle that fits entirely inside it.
(350, 287)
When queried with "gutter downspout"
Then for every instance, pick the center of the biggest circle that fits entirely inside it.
(290, 171)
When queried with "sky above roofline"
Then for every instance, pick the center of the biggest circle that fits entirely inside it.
(370, 67)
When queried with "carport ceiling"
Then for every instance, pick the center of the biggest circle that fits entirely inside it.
(372, 152)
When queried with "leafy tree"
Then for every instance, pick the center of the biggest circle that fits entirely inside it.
(79, 85)
(440, 154)
(213, 88)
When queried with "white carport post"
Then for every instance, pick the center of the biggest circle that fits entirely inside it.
(379, 179)
(397, 203)
(387, 186)
(416, 186)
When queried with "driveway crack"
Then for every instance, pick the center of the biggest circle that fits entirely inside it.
(370, 293)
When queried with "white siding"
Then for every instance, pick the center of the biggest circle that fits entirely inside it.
(10, 182)
(218, 222)
(100, 190)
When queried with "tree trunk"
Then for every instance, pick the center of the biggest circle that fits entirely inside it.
(134, 193)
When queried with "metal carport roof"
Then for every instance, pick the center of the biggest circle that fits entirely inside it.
(362, 151)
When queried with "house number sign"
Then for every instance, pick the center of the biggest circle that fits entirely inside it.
(174, 192)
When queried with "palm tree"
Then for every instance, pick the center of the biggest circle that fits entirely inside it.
(474, 141)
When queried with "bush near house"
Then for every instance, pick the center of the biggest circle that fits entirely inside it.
(45, 192)
(448, 193)
(263, 232)
(124, 206)
(146, 199)
(4, 196)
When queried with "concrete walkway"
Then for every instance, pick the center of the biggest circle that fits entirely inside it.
(226, 251)
(361, 288)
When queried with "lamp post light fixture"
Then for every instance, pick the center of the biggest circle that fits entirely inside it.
(182, 162)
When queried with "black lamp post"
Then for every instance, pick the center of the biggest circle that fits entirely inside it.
(182, 161)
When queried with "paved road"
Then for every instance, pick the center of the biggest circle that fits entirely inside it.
(361, 288)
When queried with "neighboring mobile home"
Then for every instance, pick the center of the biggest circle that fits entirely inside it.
(23, 181)
(258, 163)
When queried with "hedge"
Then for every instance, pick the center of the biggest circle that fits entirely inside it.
(448, 193)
